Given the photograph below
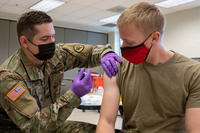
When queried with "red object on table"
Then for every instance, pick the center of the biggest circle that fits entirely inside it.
(97, 82)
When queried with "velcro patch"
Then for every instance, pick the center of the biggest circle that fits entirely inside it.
(79, 48)
(17, 91)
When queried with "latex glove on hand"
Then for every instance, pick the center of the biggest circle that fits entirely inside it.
(82, 84)
(109, 65)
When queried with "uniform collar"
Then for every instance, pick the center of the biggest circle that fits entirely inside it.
(33, 72)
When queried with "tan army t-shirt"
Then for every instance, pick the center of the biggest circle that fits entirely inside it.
(155, 97)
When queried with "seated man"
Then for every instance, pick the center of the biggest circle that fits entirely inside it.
(160, 89)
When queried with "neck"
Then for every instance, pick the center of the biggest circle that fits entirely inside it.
(159, 55)
(32, 58)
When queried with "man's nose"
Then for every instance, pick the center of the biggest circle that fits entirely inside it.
(123, 44)
(52, 39)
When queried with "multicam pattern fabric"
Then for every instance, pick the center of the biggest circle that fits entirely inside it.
(42, 108)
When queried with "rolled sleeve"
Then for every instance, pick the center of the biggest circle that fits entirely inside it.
(71, 97)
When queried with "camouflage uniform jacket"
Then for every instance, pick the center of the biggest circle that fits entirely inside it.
(30, 95)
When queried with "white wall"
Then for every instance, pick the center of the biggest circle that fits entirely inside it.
(183, 32)
(114, 40)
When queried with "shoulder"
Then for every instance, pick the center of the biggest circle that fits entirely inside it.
(124, 66)
(73, 51)
(179, 58)
(190, 69)
(67, 50)
(8, 80)
(186, 63)
(14, 94)
(71, 47)
(9, 75)
(12, 63)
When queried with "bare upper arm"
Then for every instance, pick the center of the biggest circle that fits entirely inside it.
(110, 103)
(192, 120)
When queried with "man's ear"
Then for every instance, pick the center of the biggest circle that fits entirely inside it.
(23, 41)
(156, 37)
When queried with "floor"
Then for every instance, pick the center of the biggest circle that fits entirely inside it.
(91, 116)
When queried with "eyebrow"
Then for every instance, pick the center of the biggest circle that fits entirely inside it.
(48, 36)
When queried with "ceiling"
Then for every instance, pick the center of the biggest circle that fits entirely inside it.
(80, 14)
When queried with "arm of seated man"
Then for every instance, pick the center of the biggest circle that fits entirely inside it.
(192, 120)
(192, 112)
(110, 105)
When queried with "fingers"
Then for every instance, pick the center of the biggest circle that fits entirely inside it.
(80, 74)
(88, 75)
(118, 59)
(106, 70)
(114, 66)
(88, 80)
(109, 65)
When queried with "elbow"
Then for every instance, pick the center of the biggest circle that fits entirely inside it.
(193, 131)
(105, 126)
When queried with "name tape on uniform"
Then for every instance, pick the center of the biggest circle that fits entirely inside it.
(17, 91)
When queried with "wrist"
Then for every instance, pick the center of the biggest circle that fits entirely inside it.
(72, 98)
(106, 52)
(75, 92)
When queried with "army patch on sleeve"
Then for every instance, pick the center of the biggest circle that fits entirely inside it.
(79, 48)
(17, 91)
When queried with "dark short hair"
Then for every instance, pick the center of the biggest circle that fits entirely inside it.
(26, 23)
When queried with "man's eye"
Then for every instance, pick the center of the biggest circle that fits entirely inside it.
(44, 39)
(129, 43)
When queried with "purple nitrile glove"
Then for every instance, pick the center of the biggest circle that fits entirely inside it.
(82, 84)
(109, 65)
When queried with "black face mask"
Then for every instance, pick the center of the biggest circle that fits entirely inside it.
(46, 51)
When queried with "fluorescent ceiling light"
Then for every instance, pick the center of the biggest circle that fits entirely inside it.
(172, 3)
(46, 5)
(112, 19)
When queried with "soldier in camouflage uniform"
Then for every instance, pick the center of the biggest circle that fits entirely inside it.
(30, 79)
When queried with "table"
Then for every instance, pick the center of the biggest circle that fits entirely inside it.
(98, 108)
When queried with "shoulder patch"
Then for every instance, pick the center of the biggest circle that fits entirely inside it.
(79, 48)
(17, 91)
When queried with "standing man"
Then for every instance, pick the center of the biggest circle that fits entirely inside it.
(30, 79)
(160, 89)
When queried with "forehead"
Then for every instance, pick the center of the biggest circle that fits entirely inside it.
(45, 29)
(130, 32)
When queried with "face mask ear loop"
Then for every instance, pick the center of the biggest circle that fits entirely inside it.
(148, 52)
(32, 42)
(150, 47)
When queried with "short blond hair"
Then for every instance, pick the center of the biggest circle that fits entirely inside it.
(146, 17)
